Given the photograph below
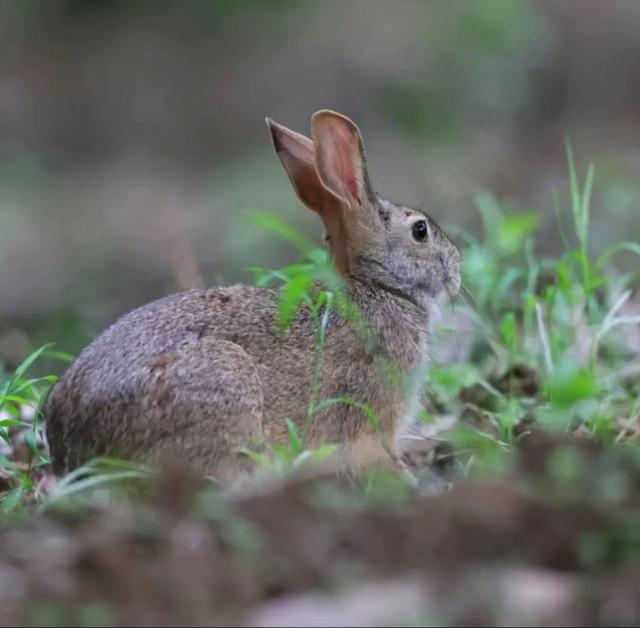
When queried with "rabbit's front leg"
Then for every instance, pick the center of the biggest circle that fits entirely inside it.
(373, 451)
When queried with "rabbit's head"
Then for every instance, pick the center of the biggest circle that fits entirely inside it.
(373, 240)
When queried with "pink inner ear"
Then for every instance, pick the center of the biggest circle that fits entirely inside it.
(347, 146)
(343, 161)
(352, 183)
(298, 147)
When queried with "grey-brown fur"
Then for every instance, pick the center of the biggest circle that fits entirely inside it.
(194, 375)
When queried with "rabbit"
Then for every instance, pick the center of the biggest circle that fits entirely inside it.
(198, 375)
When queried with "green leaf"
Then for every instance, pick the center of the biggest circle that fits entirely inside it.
(301, 458)
(323, 452)
(629, 247)
(514, 228)
(59, 355)
(580, 200)
(509, 331)
(275, 224)
(426, 417)
(4, 435)
(5, 463)
(99, 466)
(90, 483)
(282, 452)
(318, 256)
(10, 500)
(294, 440)
(28, 384)
(253, 455)
(489, 453)
(564, 389)
(453, 376)
(30, 442)
(291, 294)
(13, 423)
(29, 360)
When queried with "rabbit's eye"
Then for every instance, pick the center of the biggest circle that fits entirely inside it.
(420, 230)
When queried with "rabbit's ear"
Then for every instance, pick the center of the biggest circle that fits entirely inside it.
(340, 158)
(297, 155)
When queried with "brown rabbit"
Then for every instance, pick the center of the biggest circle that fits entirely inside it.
(196, 375)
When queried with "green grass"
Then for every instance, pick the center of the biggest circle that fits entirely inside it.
(559, 317)
(21, 398)
(548, 346)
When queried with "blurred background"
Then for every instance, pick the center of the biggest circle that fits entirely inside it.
(132, 135)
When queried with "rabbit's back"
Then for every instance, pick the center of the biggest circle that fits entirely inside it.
(192, 358)
(152, 332)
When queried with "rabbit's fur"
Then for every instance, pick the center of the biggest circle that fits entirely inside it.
(197, 375)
